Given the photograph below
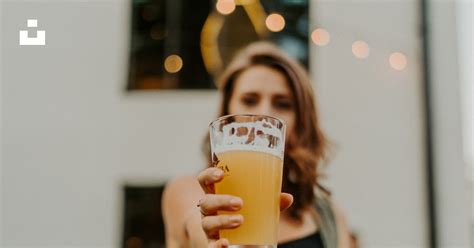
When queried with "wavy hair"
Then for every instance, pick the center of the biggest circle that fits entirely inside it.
(306, 146)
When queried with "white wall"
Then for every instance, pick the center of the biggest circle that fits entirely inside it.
(72, 137)
(1, 132)
(464, 20)
(374, 116)
(1, 125)
(465, 40)
(451, 177)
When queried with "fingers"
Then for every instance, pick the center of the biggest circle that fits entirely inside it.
(212, 224)
(208, 177)
(211, 203)
(221, 243)
(285, 201)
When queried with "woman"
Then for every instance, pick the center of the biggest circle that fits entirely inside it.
(263, 80)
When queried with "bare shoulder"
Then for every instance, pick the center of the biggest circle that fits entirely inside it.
(342, 227)
(178, 204)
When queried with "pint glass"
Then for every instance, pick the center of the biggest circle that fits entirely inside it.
(249, 149)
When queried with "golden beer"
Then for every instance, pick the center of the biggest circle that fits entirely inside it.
(254, 176)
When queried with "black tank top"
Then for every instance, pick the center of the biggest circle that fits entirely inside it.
(326, 237)
(312, 241)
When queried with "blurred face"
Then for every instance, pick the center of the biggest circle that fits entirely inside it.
(264, 91)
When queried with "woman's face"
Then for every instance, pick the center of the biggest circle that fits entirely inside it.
(265, 91)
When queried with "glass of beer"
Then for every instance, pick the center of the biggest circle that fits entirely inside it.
(249, 149)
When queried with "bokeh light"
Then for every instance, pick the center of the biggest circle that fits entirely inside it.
(275, 22)
(158, 32)
(225, 7)
(173, 63)
(360, 49)
(320, 37)
(398, 61)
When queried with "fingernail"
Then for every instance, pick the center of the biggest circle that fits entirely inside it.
(225, 243)
(235, 219)
(235, 202)
(218, 173)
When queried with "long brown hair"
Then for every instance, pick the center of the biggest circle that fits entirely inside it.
(306, 145)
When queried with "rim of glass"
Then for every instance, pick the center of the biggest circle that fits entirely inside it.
(247, 115)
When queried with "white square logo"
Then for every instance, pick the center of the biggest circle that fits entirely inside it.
(38, 40)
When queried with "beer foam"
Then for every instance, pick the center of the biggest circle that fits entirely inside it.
(259, 136)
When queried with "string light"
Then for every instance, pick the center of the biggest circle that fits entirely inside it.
(360, 49)
(275, 22)
(398, 61)
(225, 7)
(173, 63)
(320, 37)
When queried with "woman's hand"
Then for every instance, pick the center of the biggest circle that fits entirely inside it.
(211, 203)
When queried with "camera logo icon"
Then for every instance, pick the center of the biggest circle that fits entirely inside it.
(39, 40)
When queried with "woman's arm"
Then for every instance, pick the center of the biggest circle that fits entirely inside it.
(181, 215)
(342, 229)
